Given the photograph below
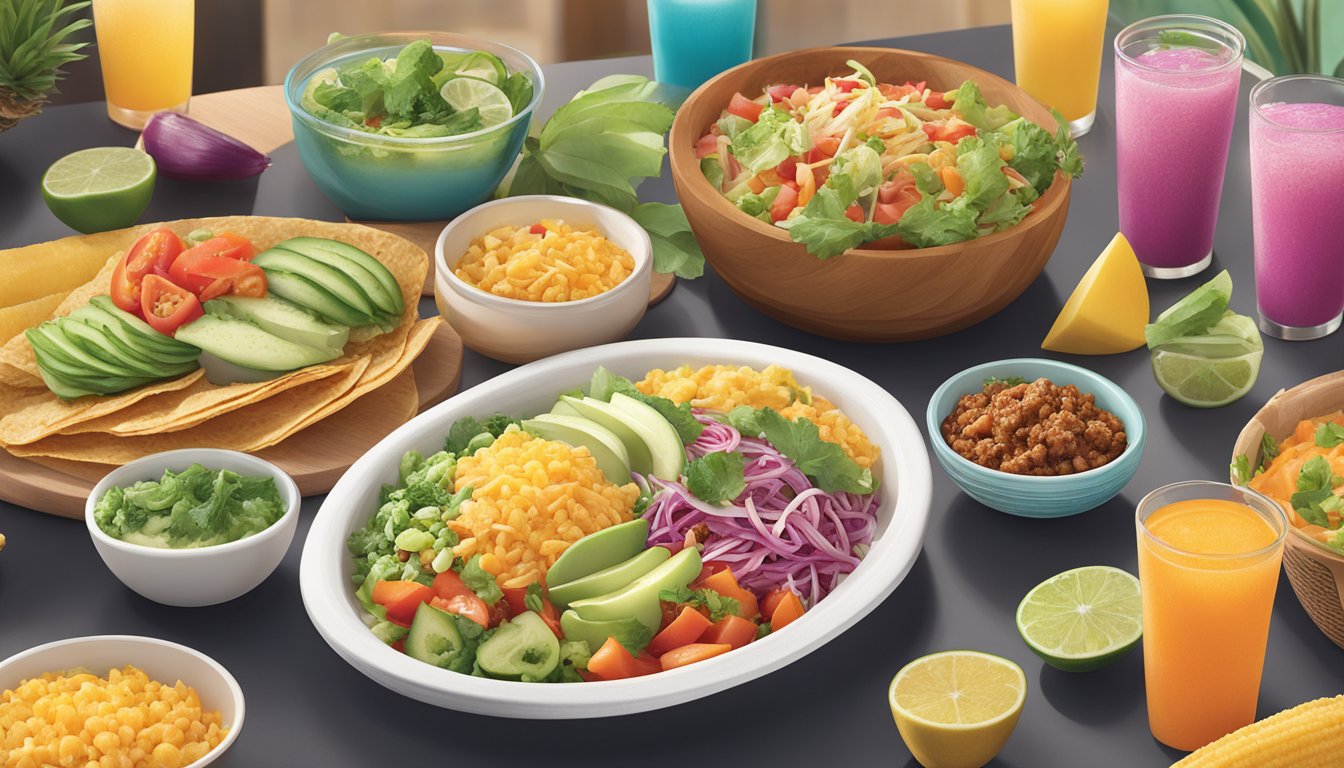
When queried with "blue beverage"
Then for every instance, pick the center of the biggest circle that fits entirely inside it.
(694, 40)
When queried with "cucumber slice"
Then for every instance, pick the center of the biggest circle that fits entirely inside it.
(48, 338)
(523, 648)
(332, 280)
(386, 294)
(102, 346)
(434, 638)
(311, 297)
(246, 345)
(139, 327)
(282, 319)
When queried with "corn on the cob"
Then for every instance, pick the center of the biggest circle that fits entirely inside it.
(1310, 735)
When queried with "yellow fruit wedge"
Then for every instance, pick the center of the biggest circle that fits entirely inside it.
(1108, 309)
(34, 271)
(20, 317)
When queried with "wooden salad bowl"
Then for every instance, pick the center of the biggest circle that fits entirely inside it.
(872, 293)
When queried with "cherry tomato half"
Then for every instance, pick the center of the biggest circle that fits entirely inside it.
(153, 252)
(165, 306)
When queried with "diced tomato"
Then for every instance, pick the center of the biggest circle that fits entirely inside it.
(516, 600)
(152, 253)
(839, 107)
(888, 112)
(466, 606)
(744, 108)
(401, 598)
(935, 100)
(785, 202)
(726, 584)
(537, 229)
(788, 168)
(167, 307)
(952, 130)
(706, 145)
(771, 600)
(781, 91)
(613, 662)
(689, 654)
(845, 86)
(822, 149)
(399, 646)
(733, 630)
(788, 611)
(448, 585)
(219, 266)
(854, 212)
(373, 121)
(685, 629)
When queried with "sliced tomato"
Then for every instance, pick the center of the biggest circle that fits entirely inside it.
(744, 108)
(839, 107)
(165, 306)
(400, 598)
(226, 245)
(935, 100)
(854, 212)
(399, 646)
(448, 585)
(785, 202)
(208, 275)
(822, 149)
(845, 86)
(781, 91)
(152, 253)
(466, 606)
(888, 112)
(788, 168)
(537, 229)
(953, 130)
(706, 145)
(516, 600)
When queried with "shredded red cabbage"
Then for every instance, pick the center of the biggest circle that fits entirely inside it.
(782, 530)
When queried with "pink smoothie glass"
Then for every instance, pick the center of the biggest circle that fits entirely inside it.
(1176, 94)
(1297, 204)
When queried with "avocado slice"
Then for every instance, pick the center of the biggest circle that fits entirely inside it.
(608, 580)
(598, 550)
(606, 415)
(244, 344)
(133, 332)
(282, 319)
(561, 408)
(665, 447)
(639, 598)
(333, 280)
(629, 632)
(310, 296)
(369, 272)
(102, 346)
(602, 443)
(50, 340)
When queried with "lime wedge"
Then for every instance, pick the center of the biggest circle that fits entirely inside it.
(957, 708)
(1082, 619)
(1204, 382)
(466, 92)
(94, 190)
(483, 66)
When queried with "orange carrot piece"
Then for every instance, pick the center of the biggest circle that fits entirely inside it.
(689, 654)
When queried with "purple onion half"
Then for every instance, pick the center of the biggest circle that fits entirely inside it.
(186, 149)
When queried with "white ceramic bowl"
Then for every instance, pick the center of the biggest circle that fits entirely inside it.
(517, 331)
(325, 572)
(161, 660)
(203, 575)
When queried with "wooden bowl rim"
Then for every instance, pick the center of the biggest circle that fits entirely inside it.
(1248, 445)
(686, 169)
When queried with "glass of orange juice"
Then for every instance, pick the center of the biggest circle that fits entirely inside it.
(1209, 558)
(1057, 47)
(146, 49)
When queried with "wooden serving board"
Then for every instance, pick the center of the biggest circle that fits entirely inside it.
(315, 457)
(259, 118)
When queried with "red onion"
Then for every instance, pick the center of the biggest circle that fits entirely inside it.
(183, 148)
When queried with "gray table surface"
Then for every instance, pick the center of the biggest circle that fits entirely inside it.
(306, 707)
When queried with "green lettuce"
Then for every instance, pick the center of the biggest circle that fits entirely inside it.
(773, 138)
(197, 507)
(716, 477)
(825, 462)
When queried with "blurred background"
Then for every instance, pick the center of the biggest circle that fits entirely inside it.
(242, 43)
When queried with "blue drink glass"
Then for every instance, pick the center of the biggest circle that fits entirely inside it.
(694, 40)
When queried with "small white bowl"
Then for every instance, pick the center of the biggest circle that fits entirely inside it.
(163, 661)
(199, 576)
(517, 331)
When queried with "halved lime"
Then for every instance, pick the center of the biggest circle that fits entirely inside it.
(94, 190)
(1204, 382)
(467, 92)
(483, 66)
(1083, 619)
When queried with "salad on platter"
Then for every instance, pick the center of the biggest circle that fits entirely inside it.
(1304, 473)
(854, 160)
(636, 527)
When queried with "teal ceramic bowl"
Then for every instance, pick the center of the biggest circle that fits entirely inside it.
(1028, 495)
(387, 178)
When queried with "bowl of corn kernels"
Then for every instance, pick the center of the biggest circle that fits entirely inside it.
(116, 700)
(528, 277)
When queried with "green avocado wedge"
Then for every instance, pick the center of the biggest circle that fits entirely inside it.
(598, 550)
(639, 599)
(608, 580)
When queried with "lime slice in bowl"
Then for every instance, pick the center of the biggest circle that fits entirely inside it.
(1205, 382)
(94, 190)
(482, 66)
(467, 92)
(1083, 619)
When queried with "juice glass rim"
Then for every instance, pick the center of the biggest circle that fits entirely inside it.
(1279, 517)
(1123, 38)
(1282, 79)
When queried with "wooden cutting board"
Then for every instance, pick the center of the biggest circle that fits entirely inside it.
(316, 457)
(259, 118)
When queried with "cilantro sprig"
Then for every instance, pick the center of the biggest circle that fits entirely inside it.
(825, 462)
(718, 606)
(717, 477)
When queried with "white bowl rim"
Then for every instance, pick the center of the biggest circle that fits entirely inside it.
(643, 256)
(889, 560)
(236, 690)
(289, 491)
(1135, 438)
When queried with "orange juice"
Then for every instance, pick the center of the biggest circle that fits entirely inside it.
(1057, 47)
(146, 49)
(1208, 568)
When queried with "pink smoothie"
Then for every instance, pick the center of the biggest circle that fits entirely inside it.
(1297, 196)
(1174, 113)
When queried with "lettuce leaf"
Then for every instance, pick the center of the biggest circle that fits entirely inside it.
(774, 137)
(970, 106)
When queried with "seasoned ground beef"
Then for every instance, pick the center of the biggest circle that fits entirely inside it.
(1036, 428)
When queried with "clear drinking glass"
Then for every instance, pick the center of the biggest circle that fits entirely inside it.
(694, 40)
(1176, 85)
(1297, 204)
(146, 50)
(1057, 48)
(1209, 557)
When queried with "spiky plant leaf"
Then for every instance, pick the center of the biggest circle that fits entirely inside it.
(33, 45)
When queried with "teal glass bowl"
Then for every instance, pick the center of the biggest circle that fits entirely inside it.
(388, 178)
(1030, 495)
